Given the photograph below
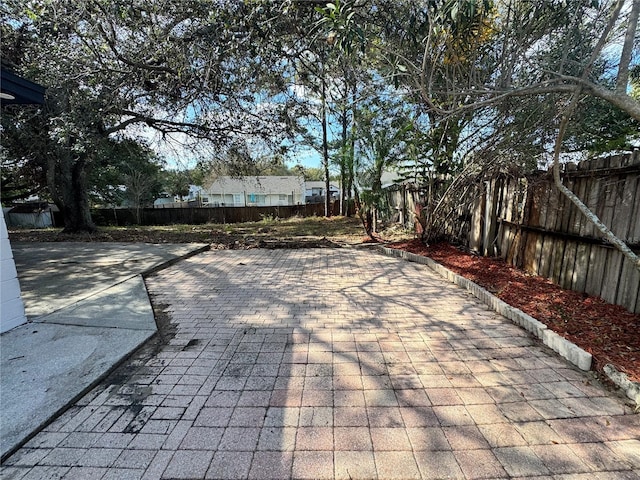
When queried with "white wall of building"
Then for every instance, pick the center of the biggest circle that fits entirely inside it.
(11, 306)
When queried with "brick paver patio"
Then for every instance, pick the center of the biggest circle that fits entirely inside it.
(334, 363)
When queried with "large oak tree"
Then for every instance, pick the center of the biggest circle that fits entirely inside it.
(113, 69)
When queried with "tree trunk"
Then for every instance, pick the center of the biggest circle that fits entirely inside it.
(593, 218)
(586, 211)
(325, 148)
(344, 202)
(67, 176)
(352, 148)
(70, 180)
(627, 48)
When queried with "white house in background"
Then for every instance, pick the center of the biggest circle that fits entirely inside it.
(314, 191)
(196, 197)
(196, 192)
(255, 191)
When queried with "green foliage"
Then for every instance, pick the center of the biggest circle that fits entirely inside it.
(312, 173)
(176, 183)
(600, 127)
(126, 173)
(113, 67)
(268, 219)
(237, 161)
(340, 22)
(273, 165)
(220, 75)
(634, 77)
(23, 170)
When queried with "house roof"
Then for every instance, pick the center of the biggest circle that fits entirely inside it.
(263, 184)
(318, 184)
(34, 207)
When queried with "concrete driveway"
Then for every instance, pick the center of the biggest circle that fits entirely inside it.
(334, 363)
(55, 275)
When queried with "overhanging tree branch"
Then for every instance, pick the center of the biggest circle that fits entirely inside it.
(564, 122)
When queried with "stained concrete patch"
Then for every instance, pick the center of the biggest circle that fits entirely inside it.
(43, 367)
(88, 309)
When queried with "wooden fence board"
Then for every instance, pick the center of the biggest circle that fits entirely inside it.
(610, 284)
(513, 244)
(573, 219)
(490, 227)
(634, 227)
(475, 233)
(568, 210)
(506, 246)
(554, 208)
(598, 206)
(535, 269)
(556, 260)
(568, 264)
(615, 161)
(500, 198)
(591, 201)
(625, 193)
(535, 207)
(628, 290)
(595, 273)
(581, 268)
(543, 204)
(529, 260)
(560, 213)
(511, 198)
(607, 203)
(545, 257)
(579, 219)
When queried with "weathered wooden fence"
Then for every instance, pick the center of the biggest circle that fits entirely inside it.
(202, 215)
(530, 224)
(551, 238)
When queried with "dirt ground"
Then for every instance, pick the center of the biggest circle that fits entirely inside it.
(310, 231)
(608, 332)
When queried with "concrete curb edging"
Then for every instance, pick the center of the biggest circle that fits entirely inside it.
(632, 389)
(557, 343)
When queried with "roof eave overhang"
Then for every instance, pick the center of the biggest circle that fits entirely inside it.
(20, 91)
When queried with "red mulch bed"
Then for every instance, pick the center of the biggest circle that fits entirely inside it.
(609, 332)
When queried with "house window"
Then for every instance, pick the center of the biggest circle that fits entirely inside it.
(255, 199)
(205, 199)
(237, 200)
(283, 197)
